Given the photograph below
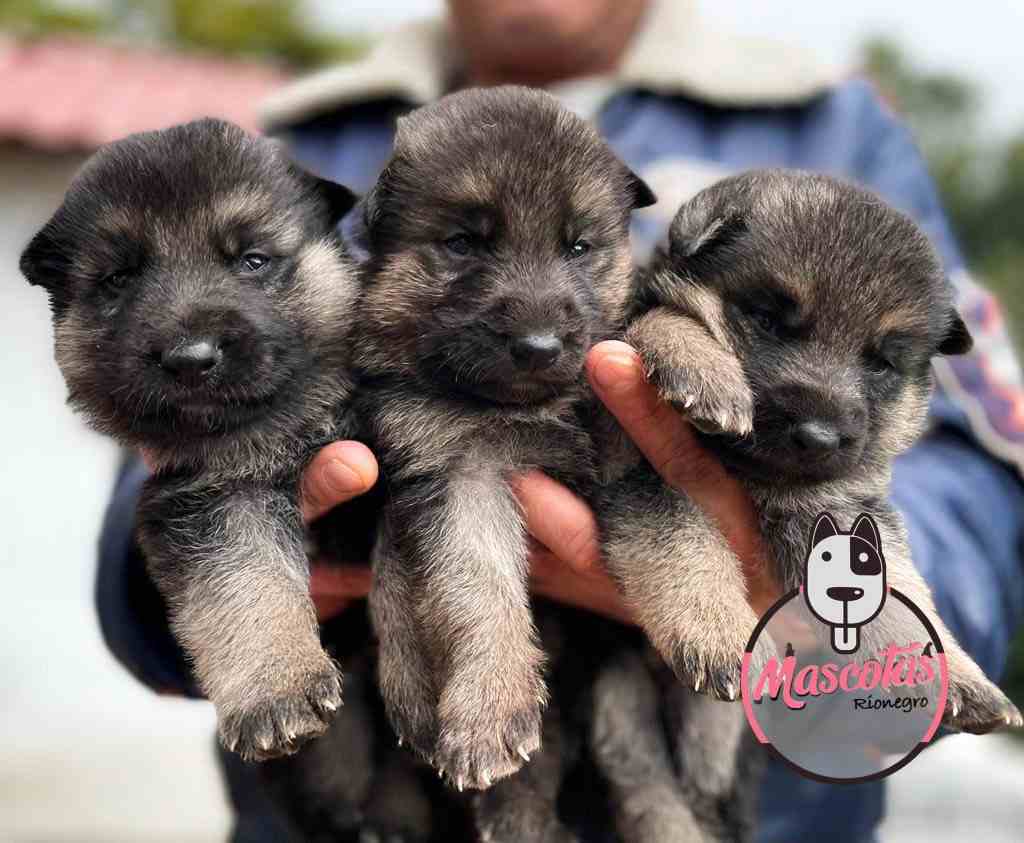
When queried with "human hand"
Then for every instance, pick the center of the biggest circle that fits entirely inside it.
(565, 561)
(339, 472)
(567, 566)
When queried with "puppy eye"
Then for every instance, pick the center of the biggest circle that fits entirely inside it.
(254, 261)
(117, 281)
(459, 244)
(579, 249)
(765, 322)
(878, 364)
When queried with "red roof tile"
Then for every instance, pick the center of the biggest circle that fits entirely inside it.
(65, 93)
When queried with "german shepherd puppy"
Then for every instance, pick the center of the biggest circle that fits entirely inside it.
(793, 319)
(498, 237)
(201, 302)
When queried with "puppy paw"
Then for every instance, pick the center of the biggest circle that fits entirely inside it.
(476, 753)
(976, 705)
(277, 722)
(488, 728)
(713, 665)
(413, 717)
(717, 402)
(715, 674)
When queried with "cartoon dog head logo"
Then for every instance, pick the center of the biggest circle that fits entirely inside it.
(844, 578)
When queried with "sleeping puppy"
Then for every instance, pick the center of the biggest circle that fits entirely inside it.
(498, 237)
(793, 319)
(201, 302)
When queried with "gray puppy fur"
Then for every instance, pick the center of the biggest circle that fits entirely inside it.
(201, 302)
(499, 253)
(792, 318)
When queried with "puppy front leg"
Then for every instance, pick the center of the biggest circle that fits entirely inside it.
(476, 596)
(681, 580)
(232, 568)
(695, 371)
(974, 703)
(467, 586)
(408, 664)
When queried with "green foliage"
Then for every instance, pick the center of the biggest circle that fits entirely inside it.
(37, 17)
(981, 180)
(261, 27)
(273, 29)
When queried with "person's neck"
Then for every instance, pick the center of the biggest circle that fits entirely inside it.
(600, 55)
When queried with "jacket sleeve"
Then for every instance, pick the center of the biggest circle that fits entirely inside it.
(960, 487)
(133, 616)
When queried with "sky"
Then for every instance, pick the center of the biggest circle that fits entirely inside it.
(981, 40)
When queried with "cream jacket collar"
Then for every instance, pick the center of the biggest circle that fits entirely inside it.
(673, 53)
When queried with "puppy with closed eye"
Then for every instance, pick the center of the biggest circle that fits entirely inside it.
(498, 237)
(201, 302)
(793, 319)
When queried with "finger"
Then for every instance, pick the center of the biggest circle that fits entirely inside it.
(559, 520)
(340, 472)
(334, 588)
(552, 578)
(348, 581)
(659, 431)
(328, 607)
(672, 448)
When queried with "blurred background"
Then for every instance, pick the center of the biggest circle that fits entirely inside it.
(86, 754)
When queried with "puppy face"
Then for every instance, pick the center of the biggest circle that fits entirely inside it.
(195, 283)
(835, 304)
(499, 241)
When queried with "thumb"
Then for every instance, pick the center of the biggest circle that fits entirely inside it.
(340, 472)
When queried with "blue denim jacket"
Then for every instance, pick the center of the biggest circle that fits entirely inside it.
(958, 487)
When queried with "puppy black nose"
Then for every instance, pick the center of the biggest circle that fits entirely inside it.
(846, 593)
(816, 437)
(535, 352)
(191, 361)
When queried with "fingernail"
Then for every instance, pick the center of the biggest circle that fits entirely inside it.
(615, 372)
(340, 478)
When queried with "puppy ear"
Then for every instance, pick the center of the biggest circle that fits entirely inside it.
(824, 528)
(340, 200)
(374, 205)
(958, 339)
(43, 262)
(697, 232)
(865, 528)
(643, 196)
